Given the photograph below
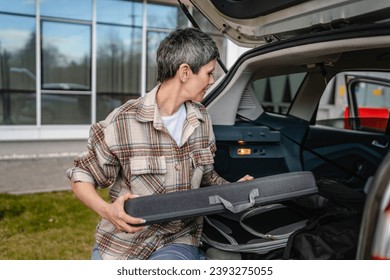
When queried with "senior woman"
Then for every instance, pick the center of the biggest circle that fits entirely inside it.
(159, 143)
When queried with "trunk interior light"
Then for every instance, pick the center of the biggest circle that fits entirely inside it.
(244, 151)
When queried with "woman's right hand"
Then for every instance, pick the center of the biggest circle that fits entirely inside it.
(115, 213)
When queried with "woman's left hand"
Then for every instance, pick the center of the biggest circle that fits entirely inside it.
(246, 178)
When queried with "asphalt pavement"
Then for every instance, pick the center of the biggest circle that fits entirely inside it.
(32, 167)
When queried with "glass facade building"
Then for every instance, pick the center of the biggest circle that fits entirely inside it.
(65, 64)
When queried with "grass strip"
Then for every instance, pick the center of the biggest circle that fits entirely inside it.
(46, 226)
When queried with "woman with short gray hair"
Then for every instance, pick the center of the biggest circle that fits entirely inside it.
(159, 143)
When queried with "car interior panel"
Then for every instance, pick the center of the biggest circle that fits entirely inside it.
(310, 94)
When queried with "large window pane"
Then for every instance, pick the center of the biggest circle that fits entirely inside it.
(163, 16)
(72, 9)
(105, 103)
(66, 109)
(17, 108)
(118, 66)
(18, 6)
(17, 53)
(66, 56)
(17, 68)
(119, 12)
(153, 39)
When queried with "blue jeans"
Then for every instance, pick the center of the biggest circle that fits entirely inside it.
(95, 253)
(169, 252)
(177, 252)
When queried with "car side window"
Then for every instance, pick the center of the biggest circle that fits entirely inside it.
(276, 93)
(356, 101)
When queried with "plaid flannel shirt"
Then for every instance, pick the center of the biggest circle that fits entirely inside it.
(131, 150)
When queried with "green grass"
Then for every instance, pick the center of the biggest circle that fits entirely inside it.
(46, 226)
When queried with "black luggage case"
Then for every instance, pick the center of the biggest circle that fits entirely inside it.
(254, 233)
(233, 197)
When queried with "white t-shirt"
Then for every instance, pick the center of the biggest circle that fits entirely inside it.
(175, 122)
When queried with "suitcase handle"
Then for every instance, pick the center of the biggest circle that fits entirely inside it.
(235, 208)
(255, 211)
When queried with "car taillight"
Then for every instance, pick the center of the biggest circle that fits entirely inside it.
(381, 245)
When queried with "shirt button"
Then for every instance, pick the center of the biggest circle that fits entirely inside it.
(177, 167)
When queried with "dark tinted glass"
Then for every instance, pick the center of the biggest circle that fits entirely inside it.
(17, 108)
(275, 94)
(66, 109)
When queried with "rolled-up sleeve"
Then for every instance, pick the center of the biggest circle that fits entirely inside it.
(98, 165)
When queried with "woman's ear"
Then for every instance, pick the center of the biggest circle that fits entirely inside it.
(184, 72)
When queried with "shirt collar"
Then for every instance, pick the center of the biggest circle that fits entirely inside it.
(148, 110)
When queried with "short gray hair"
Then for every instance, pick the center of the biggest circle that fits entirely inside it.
(184, 45)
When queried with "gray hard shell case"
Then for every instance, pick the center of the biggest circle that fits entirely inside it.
(232, 197)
